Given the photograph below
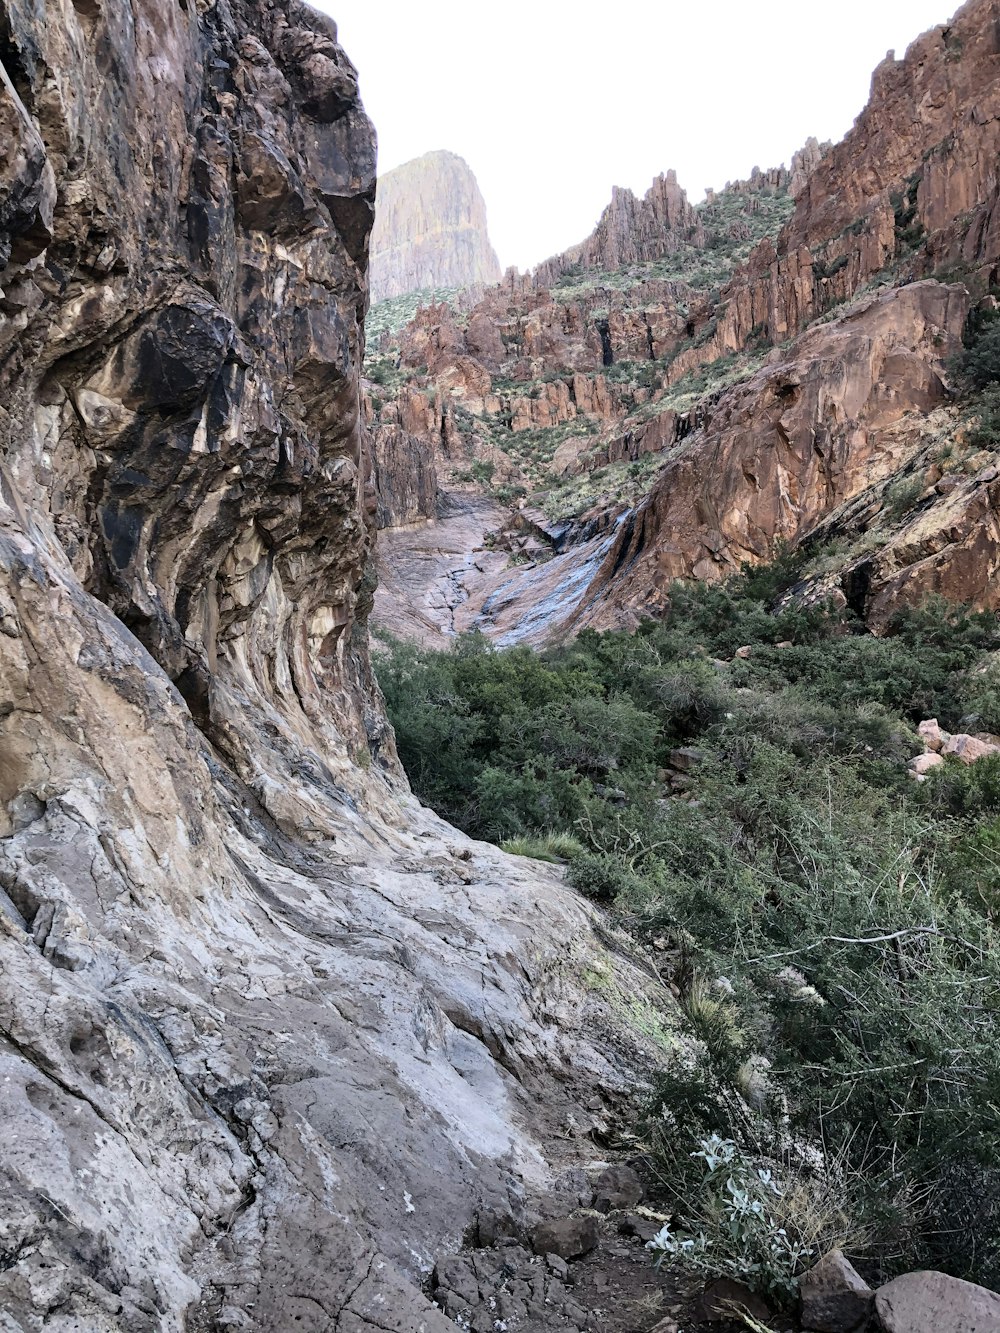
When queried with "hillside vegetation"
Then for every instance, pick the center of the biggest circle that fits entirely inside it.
(827, 923)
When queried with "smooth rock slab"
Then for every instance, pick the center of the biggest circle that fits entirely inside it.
(935, 1303)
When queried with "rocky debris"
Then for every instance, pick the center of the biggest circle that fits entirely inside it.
(641, 1226)
(569, 1237)
(617, 1187)
(835, 1298)
(508, 1288)
(430, 228)
(935, 1303)
(942, 745)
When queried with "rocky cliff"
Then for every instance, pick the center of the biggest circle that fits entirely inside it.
(632, 231)
(270, 1035)
(430, 229)
(779, 372)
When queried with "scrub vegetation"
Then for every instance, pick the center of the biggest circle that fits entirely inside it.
(825, 924)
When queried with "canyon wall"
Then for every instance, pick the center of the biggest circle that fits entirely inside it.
(271, 1036)
(758, 396)
(430, 229)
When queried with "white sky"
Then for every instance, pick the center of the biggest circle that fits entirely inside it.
(552, 102)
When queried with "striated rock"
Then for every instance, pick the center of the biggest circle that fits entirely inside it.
(267, 1028)
(835, 1298)
(430, 229)
(935, 1303)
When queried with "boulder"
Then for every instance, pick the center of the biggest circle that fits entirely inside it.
(923, 763)
(567, 1237)
(835, 1297)
(723, 1298)
(935, 1303)
(617, 1187)
(932, 735)
(969, 748)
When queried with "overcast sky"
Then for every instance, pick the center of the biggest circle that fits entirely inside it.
(552, 102)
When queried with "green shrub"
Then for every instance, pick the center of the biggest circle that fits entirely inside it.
(828, 923)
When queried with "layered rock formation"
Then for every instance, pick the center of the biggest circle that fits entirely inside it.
(430, 229)
(787, 401)
(270, 1035)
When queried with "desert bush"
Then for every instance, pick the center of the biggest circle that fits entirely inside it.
(828, 924)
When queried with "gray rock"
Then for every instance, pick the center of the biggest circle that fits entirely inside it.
(932, 1302)
(835, 1298)
(617, 1187)
(557, 1267)
(568, 1237)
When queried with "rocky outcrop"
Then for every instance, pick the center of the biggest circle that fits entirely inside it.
(430, 229)
(776, 454)
(270, 1035)
(632, 231)
(912, 185)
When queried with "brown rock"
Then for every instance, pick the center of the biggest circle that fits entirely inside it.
(934, 1303)
(923, 763)
(724, 1297)
(932, 735)
(834, 1296)
(617, 1187)
(968, 748)
(568, 1237)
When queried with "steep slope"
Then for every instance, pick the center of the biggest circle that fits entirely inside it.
(430, 229)
(676, 417)
(270, 1034)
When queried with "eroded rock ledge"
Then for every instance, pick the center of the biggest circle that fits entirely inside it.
(270, 1035)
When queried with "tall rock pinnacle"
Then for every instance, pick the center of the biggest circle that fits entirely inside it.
(430, 228)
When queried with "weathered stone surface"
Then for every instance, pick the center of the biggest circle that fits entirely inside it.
(968, 748)
(935, 1303)
(835, 1298)
(568, 1237)
(266, 1026)
(923, 763)
(617, 1187)
(430, 228)
(932, 735)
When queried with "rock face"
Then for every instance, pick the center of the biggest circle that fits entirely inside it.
(270, 1035)
(632, 231)
(774, 455)
(430, 229)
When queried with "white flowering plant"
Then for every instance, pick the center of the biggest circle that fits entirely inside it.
(736, 1232)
